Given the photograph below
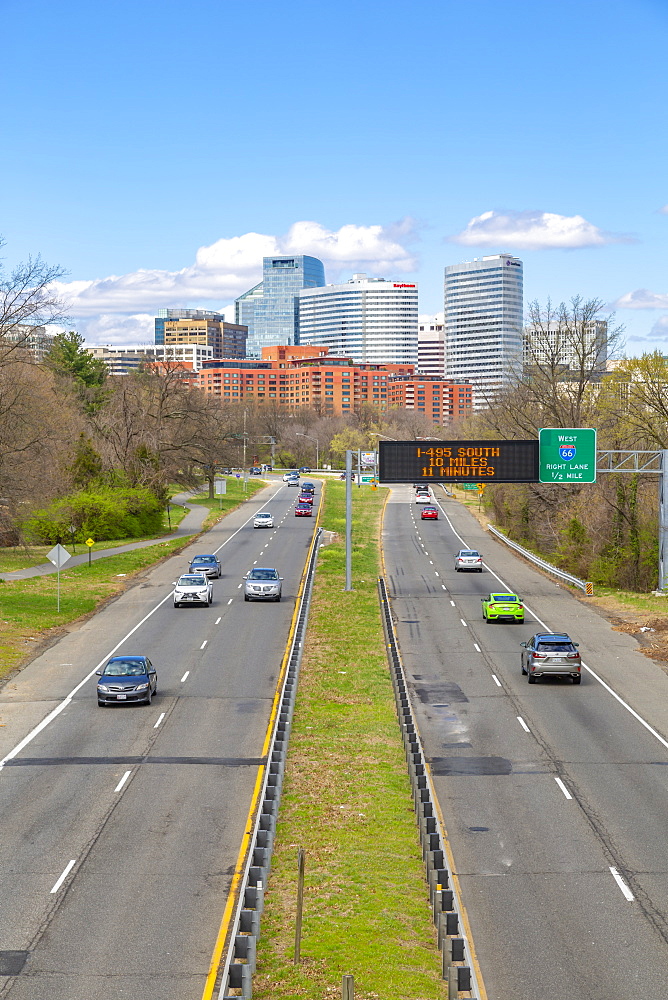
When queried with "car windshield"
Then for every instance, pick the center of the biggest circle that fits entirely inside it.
(260, 517)
(204, 560)
(506, 598)
(555, 647)
(469, 552)
(193, 580)
(125, 668)
(263, 574)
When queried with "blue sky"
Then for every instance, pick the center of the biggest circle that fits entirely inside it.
(156, 150)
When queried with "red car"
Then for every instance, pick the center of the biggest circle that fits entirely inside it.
(305, 498)
(303, 510)
(429, 513)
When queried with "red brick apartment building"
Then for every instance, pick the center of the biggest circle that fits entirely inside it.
(307, 376)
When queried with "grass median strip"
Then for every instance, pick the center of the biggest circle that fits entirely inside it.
(347, 802)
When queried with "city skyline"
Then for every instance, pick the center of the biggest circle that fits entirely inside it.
(157, 190)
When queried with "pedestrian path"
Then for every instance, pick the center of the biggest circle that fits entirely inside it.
(190, 525)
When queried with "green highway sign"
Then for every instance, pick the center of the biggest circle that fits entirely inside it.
(567, 455)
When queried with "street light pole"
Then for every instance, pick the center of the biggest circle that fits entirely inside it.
(317, 446)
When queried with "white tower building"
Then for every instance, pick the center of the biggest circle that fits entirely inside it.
(483, 322)
(367, 319)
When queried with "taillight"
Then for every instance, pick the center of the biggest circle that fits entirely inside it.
(538, 656)
(573, 656)
(521, 607)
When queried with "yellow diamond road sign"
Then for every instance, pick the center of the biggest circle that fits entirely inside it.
(90, 541)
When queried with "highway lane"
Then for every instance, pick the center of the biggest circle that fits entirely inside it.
(149, 802)
(555, 796)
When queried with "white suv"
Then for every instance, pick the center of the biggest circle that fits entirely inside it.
(193, 588)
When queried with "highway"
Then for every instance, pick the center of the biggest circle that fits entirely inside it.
(121, 826)
(554, 796)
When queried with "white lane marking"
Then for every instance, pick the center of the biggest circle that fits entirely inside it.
(436, 573)
(123, 779)
(589, 670)
(184, 676)
(562, 786)
(240, 585)
(476, 646)
(453, 603)
(68, 698)
(204, 644)
(465, 624)
(431, 563)
(523, 724)
(218, 620)
(443, 586)
(64, 876)
(229, 602)
(160, 718)
(496, 680)
(620, 882)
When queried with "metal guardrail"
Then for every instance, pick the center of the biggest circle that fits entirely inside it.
(584, 585)
(239, 966)
(458, 966)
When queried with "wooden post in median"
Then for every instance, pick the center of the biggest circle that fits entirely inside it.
(348, 988)
(300, 903)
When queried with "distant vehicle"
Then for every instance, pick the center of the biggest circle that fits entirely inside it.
(262, 584)
(423, 497)
(303, 510)
(502, 608)
(126, 678)
(267, 468)
(207, 564)
(469, 560)
(193, 588)
(290, 474)
(305, 498)
(308, 488)
(429, 513)
(304, 468)
(293, 481)
(552, 653)
(255, 470)
(263, 519)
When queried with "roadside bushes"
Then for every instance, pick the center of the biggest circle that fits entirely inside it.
(102, 513)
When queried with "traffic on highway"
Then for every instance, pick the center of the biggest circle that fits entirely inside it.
(122, 827)
(553, 793)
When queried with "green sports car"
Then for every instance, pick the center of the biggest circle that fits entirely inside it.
(502, 608)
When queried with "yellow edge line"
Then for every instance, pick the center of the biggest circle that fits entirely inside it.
(233, 893)
(444, 832)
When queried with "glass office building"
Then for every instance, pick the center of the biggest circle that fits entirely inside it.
(483, 323)
(366, 319)
(270, 309)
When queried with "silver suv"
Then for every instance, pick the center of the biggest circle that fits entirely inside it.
(551, 653)
(262, 584)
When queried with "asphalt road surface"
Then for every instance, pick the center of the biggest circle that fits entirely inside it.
(555, 796)
(121, 826)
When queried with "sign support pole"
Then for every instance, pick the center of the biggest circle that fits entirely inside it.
(349, 519)
(663, 519)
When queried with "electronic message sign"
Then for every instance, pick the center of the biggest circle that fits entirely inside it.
(458, 461)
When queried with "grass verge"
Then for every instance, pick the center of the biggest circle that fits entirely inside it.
(347, 802)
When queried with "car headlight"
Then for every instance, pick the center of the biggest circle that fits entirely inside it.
(103, 687)
(142, 687)
(202, 593)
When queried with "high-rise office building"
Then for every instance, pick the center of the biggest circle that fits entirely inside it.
(431, 345)
(366, 319)
(483, 323)
(200, 326)
(270, 308)
(569, 347)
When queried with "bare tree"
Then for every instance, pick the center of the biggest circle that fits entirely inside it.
(28, 300)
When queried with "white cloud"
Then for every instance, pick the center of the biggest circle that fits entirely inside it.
(642, 298)
(664, 210)
(534, 231)
(119, 306)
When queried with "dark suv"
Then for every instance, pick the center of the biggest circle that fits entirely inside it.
(552, 653)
